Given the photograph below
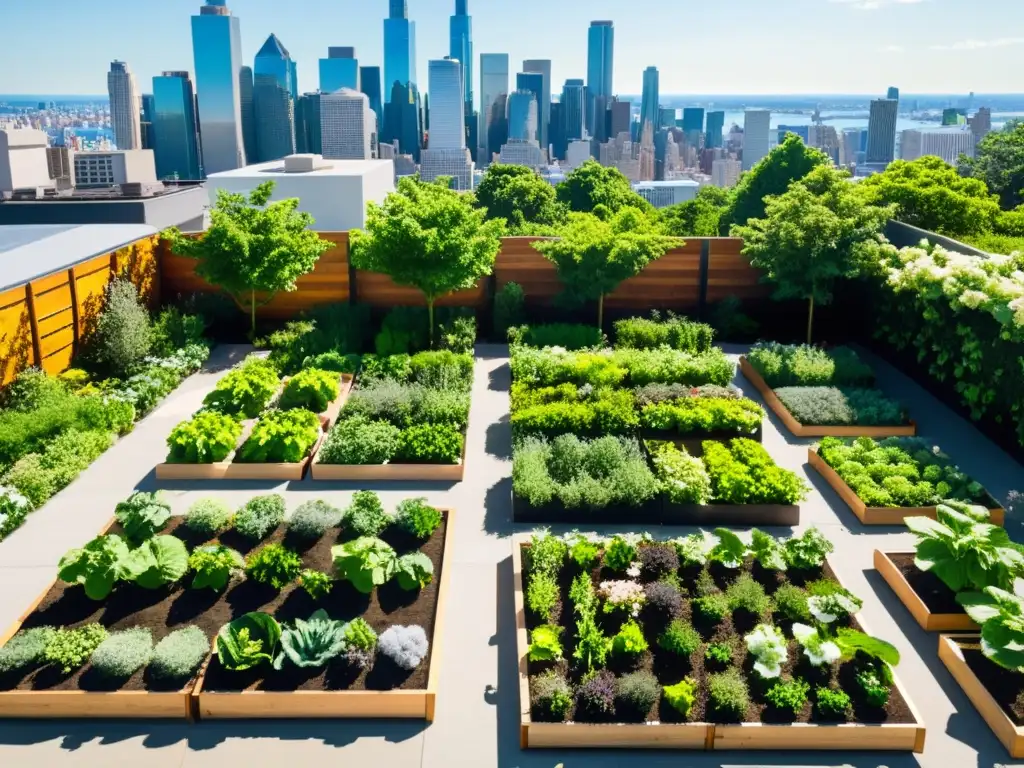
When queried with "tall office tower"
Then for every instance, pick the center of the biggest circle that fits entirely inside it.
(446, 153)
(125, 106)
(543, 67)
(954, 116)
(648, 123)
(174, 120)
(620, 116)
(146, 131)
(273, 101)
(882, 131)
(534, 83)
(850, 146)
(600, 67)
(460, 47)
(245, 98)
(757, 126)
(399, 49)
(725, 172)
(522, 116)
(981, 122)
(347, 125)
(574, 106)
(369, 83)
(493, 130)
(715, 127)
(894, 93)
(339, 70)
(403, 120)
(948, 143)
(559, 142)
(693, 121)
(217, 48)
(307, 124)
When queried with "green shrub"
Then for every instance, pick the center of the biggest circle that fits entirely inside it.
(417, 518)
(638, 691)
(683, 477)
(342, 328)
(311, 389)
(802, 365)
(790, 696)
(566, 408)
(508, 309)
(746, 594)
(791, 602)
(718, 653)
(682, 696)
(71, 648)
(546, 554)
(208, 517)
(27, 649)
(379, 367)
(359, 441)
(207, 438)
(679, 638)
(214, 566)
(831, 406)
(33, 388)
(652, 366)
(173, 330)
(430, 444)
(312, 519)
(333, 361)
(274, 565)
(621, 553)
(14, 509)
(122, 336)
(458, 335)
(31, 480)
(672, 331)
(565, 335)
(406, 404)
(728, 694)
(542, 595)
(703, 414)
(550, 367)
(442, 369)
(629, 641)
(260, 516)
(550, 693)
(246, 390)
(744, 473)
(365, 516)
(832, 704)
(712, 607)
(179, 655)
(317, 584)
(124, 653)
(360, 635)
(280, 437)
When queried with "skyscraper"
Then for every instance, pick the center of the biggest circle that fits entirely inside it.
(446, 153)
(693, 119)
(894, 93)
(217, 48)
(460, 46)
(648, 123)
(369, 83)
(620, 116)
(522, 116)
(339, 70)
(245, 97)
(146, 133)
(402, 119)
(125, 106)
(600, 66)
(274, 101)
(715, 126)
(493, 130)
(574, 109)
(981, 122)
(534, 83)
(882, 131)
(347, 125)
(399, 48)
(174, 119)
(543, 67)
(556, 131)
(307, 124)
(757, 127)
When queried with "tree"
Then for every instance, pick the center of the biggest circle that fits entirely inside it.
(429, 237)
(520, 196)
(699, 217)
(253, 246)
(999, 162)
(930, 194)
(592, 184)
(818, 231)
(790, 161)
(593, 256)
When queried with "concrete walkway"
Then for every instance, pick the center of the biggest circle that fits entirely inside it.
(477, 712)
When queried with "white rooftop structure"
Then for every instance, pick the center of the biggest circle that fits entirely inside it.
(662, 194)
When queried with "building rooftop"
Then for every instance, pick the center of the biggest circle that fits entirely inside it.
(105, 194)
(668, 183)
(309, 165)
(31, 251)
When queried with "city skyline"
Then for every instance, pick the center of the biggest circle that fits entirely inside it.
(949, 53)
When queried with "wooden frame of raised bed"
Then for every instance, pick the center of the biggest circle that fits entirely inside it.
(906, 737)
(136, 705)
(930, 622)
(261, 705)
(1010, 734)
(231, 470)
(801, 430)
(878, 515)
(426, 472)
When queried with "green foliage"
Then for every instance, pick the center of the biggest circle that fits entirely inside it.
(122, 335)
(360, 441)
(728, 695)
(683, 477)
(542, 594)
(311, 389)
(650, 366)
(246, 389)
(173, 329)
(853, 643)
(367, 562)
(930, 194)
(700, 217)
(585, 553)
(791, 603)
(714, 607)
(767, 645)
(330, 338)
(571, 336)
(567, 408)
(508, 309)
(679, 638)
(844, 407)
(159, 561)
(333, 361)
(629, 641)
(768, 551)
(681, 696)
(431, 444)
(97, 566)
(808, 550)
(746, 594)
(730, 550)
(406, 330)
(25, 650)
(312, 642)
(360, 635)
(876, 689)
(38, 476)
(248, 641)
(999, 163)
(206, 438)
(208, 517)
(71, 648)
(414, 571)
(595, 697)
(832, 704)
(123, 653)
(142, 515)
(406, 405)
(547, 367)
(672, 331)
(550, 695)
(214, 566)
(520, 196)
(545, 643)
(313, 519)
(547, 553)
(33, 388)
(365, 516)
(274, 565)
(316, 583)
(416, 517)
(790, 696)
(730, 322)
(260, 516)
(802, 365)
(816, 232)
(280, 437)
(253, 245)
(639, 691)
(718, 653)
(696, 415)
(592, 184)
(744, 473)
(427, 237)
(179, 654)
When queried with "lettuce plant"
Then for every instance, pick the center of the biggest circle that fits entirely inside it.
(745, 473)
(274, 565)
(730, 550)
(246, 390)
(311, 389)
(807, 551)
(97, 566)
(414, 571)
(214, 566)
(1001, 616)
(546, 643)
(160, 561)
(833, 606)
(281, 437)
(818, 649)
(311, 643)
(205, 439)
(142, 515)
(768, 551)
(248, 641)
(367, 562)
(768, 646)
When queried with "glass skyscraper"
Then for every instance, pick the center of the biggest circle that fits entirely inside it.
(649, 115)
(274, 101)
(715, 128)
(543, 67)
(245, 86)
(399, 48)
(493, 130)
(534, 83)
(307, 124)
(447, 108)
(339, 70)
(174, 120)
(217, 48)
(522, 116)
(600, 65)
(574, 94)
(402, 119)
(461, 47)
(369, 83)
(693, 119)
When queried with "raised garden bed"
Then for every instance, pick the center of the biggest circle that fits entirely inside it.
(883, 515)
(424, 472)
(895, 727)
(992, 689)
(932, 604)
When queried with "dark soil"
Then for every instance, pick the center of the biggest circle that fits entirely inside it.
(1006, 687)
(930, 588)
(176, 606)
(670, 668)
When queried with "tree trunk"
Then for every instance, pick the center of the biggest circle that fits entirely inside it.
(810, 317)
(430, 316)
(600, 312)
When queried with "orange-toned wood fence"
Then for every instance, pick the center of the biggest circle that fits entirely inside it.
(42, 323)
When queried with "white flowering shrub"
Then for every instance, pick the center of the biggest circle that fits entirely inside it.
(14, 508)
(625, 596)
(406, 646)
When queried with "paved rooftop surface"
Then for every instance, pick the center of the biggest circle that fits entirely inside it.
(477, 708)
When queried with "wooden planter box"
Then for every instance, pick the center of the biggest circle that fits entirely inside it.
(930, 622)
(264, 705)
(649, 513)
(423, 472)
(1010, 734)
(744, 515)
(908, 737)
(801, 430)
(880, 515)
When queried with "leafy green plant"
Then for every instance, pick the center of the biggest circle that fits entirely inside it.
(542, 594)
(681, 696)
(179, 654)
(157, 562)
(311, 520)
(550, 695)
(417, 518)
(274, 565)
(367, 562)
(585, 553)
(718, 653)
(248, 641)
(431, 444)
(832, 704)
(768, 646)
(311, 389)
(728, 695)
(333, 361)
(260, 516)
(414, 571)
(208, 517)
(696, 415)
(768, 551)
(71, 648)
(568, 408)
(692, 549)
(664, 366)
(876, 689)
(123, 653)
(545, 643)
(359, 441)
(712, 607)
(142, 515)
(206, 438)
(840, 604)
(744, 473)
(547, 553)
(819, 648)
(508, 309)
(360, 635)
(670, 331)
(214, 566)
(730, 550)
(629, 641)
(280, 437)
(746, 594)
(679, 638)
(365, 516)
(803, 365)
(592, 646)
(808, 550)
(790, 696)
(571, 336)
(620, 553)
(97, 566)
(638, 691)
(683, 477)
(245, 390)
(25, 650)
(312, 642)
(791, 602)
(316, 583)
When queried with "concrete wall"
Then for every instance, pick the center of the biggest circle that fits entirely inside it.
(904, 235)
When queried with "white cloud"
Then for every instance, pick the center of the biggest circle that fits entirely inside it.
(976, 45)
(893, 48)
(874, 5)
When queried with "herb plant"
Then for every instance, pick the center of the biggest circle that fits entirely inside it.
(365, 516)
(638, 692)
(122, 654)
(545, 643)
(208, 517)
(274, 565)
(833, 704)
(417, 518)
(280, 437)
(550, 696)
(71, 648)
(407, 647)
(316, 583)
(25, 650)
(790, 696)
(214, 566)
(629, 641)
(260, 516)
(679, 638)
(179, 654)
(313, 519)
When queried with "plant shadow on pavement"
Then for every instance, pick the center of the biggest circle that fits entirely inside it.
(500, 379)
(498, 509)
(498, 439)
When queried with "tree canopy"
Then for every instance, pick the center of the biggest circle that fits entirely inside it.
(521, 197)
(253, 246)
(592, 184)
(699, 217)
(788, 162)
(594, 255)
(818, 231)
(429, 237)
(999, 162)
(930, 194)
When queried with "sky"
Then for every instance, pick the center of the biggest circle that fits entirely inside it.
(699, 46)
